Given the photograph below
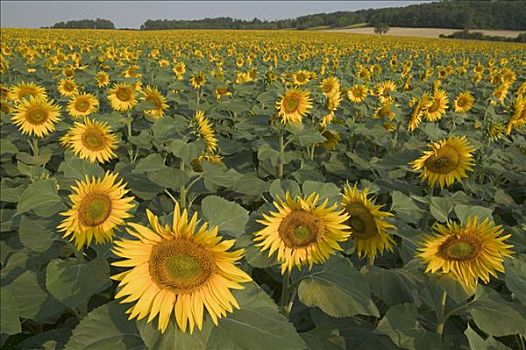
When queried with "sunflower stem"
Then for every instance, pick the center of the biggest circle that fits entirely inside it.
(312, 152)
(285, 293)
(281, 154)
(182, 189)
(441, 315)
(198, 99)
(35, 147)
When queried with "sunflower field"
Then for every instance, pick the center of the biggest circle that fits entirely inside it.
(261, 190)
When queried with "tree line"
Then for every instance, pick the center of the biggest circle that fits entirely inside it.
(98, 23)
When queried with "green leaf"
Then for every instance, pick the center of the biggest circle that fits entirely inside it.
(9, 316)
(323, 339)
(465, 211)
(32, 300)
(476, 341)
(338, 289)
(35, 235)
(7, 147)
(406, 207)
(256, 325)
(279, 187)
(73, 283)
(515, 277)
(440, 208)
(309, 136)
(186, 151)
(106, 327)
(173, 338)
(10, 194)
(152, 162)
(250, 184)
(393, 286)
(229, 216)
(78, 169)
(42, 197)
(168, 177)
(495, 316)
(324, 190)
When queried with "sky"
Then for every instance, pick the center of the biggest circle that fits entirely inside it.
(131, 14)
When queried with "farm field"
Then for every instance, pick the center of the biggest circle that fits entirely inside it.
(208, 189)
(424, 32)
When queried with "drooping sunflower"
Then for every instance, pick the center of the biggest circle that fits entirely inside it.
(153, 96)
(448, 160)
(293, 106)
(206, 131)
(333, 101)
(357, 93)
(383, 90)
(419, 110)
(99, 207)
(438, 106)
(67, 87)
(302, 231)
(221, 92)
(464, 102)
(198, 80)
(122, 97)
(466, 252)
(178, 270)
(82, 105)
(25, 90)
(36, 116)
(370, 230)
(91, 140)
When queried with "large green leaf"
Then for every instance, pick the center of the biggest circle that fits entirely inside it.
(173, 338)
(9, 316)
(78, 169)
(465, 211)
(229, 216)
(478, 343)
(256, 325)
(516, 277)
(495, 316)
(406, 208)
(325, 190)
(325, 338)
(35, 235)
(42, 197)
(106, 327)
(73, 282)
(338, 289)
(440, 208)
(393, 286)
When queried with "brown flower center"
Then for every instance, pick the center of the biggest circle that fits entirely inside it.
(94, 209)
(299, 229)
(361, 221)
(180, 265)
(82, 105)
(123, 94)
(461, 248)
(291, 103)
(37, 115)
(93, 139)
(443, 161)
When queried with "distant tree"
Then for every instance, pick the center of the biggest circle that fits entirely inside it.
(381, 28)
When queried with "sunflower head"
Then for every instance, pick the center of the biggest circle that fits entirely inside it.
(293, 106)
(24, 91)
(464, 102)
(206, 131)
(370, 230)
(178, 270)
(154, 97)
(122, 97)
(466, 252)
(302, 231)
(67, 87)
(438, 105)
(36, 116)
(357, 93)
(330, 85)
(99, 206)
(82, 105)
(91, 140)
(447, 161)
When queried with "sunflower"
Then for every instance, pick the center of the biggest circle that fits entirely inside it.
(330, 86)
(178, 269)
(91, 140)
(464, 102)
(367, 221)
(82, 105)
(198, 80)
(448, 160)
(221, 92)
(99, 206)
(357, 93)
(499, 94)
(302, 231)
(67, 87)
(333, 101)
(419, 110)
(36, 116)
(153, 96)
(103, 79)
(301, 77)
(122, 97)
(332, 139)
(383, 89)
(385, 111)
(466, 252)
(24, 91)
(179, 69)
(206, 131)
(293, 105)
(438, 106)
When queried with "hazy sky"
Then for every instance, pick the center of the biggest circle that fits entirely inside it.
(131, 14)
